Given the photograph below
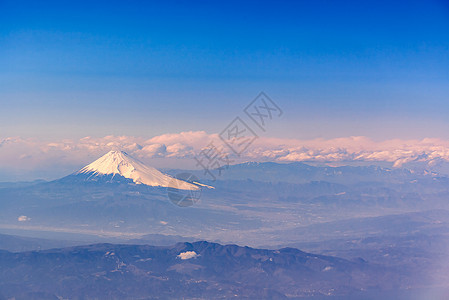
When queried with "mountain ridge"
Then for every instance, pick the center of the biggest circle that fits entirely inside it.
(194, 270)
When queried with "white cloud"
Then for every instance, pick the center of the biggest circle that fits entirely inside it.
(187, 255)
(153, 150)
(23, 219)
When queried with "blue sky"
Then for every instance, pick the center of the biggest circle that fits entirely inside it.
(372, 68)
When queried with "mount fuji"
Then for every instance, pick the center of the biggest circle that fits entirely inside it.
(118, 165)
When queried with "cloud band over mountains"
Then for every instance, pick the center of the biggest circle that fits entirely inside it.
(30, 154)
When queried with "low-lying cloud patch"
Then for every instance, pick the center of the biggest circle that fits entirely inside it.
(187, 255)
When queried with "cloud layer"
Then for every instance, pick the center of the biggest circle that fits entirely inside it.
(179, 149)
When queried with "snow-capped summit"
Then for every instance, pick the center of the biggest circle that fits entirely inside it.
(122, 164)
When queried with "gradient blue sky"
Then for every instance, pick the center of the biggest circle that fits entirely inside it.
(337, 68)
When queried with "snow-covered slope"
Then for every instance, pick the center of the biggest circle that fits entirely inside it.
(120, 163)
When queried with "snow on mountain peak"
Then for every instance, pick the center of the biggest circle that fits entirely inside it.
(120, 163)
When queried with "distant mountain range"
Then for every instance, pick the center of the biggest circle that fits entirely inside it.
(303, 173)
(15, 243)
